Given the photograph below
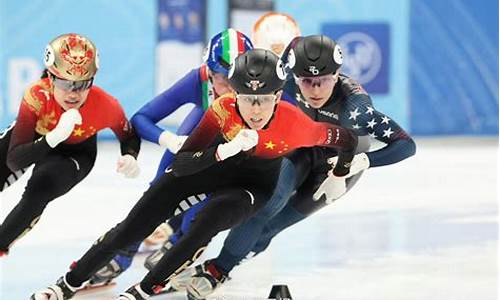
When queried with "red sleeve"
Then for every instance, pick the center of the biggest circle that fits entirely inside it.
(117, 121)
(309, 133)
(130, 143)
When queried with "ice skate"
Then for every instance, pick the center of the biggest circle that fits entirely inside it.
(61, 290)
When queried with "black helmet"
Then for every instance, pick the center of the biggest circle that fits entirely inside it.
(258, 71)
(315, 55)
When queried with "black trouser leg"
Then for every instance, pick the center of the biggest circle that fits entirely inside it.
(53, 177)
(157, 204)
(227, 208)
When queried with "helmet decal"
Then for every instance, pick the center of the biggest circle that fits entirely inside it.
(313, 70)
(232, 45)
(224, 47)
(338, 58)
(280, 70)
(255, 84)
(49, 56)
(71, 57)
(291, 59)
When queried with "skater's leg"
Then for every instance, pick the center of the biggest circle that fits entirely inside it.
(157, 204)
(51, 178)
(187, 217)
(242, 238)
(226, 209)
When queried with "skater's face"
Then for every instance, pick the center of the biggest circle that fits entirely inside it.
(220, 83)
(257, 110)
(70, 94)
(317, 89)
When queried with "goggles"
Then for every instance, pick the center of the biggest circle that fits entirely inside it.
(319, 81)
(251, 100)
(69, 85)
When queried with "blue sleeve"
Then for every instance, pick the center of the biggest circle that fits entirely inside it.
(359, 115)
(186, 90)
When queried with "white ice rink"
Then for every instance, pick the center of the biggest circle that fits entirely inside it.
(425, 229)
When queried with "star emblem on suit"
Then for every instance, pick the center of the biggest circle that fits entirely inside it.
(78, 132)
(270, 145)
(354, 114)
(385, 120)
(371, 123)
(388, 132)
(369, 110)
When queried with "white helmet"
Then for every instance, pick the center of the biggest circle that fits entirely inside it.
(274, 31)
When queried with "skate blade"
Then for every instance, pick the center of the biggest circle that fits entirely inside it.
(92, 288)
(167, 290)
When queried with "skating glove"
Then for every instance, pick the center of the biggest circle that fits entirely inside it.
(245, 140)
(333, 186)
(359, 163)
(64, 127)
(128, 166)
(171, 141)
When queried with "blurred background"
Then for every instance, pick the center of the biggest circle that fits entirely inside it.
(425, 228)
(431, 65)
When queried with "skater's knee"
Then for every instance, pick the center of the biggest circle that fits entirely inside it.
(45, 186)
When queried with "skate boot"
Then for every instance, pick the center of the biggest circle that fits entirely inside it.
(152, 260)
(203, 284)
(134, 293)
(59, 291)
(115, 267)
(180, 281)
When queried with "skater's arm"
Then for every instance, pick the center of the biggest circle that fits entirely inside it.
(130, 143)
(23, 151)
(186, 90)
(324, 134)
(364, 119)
